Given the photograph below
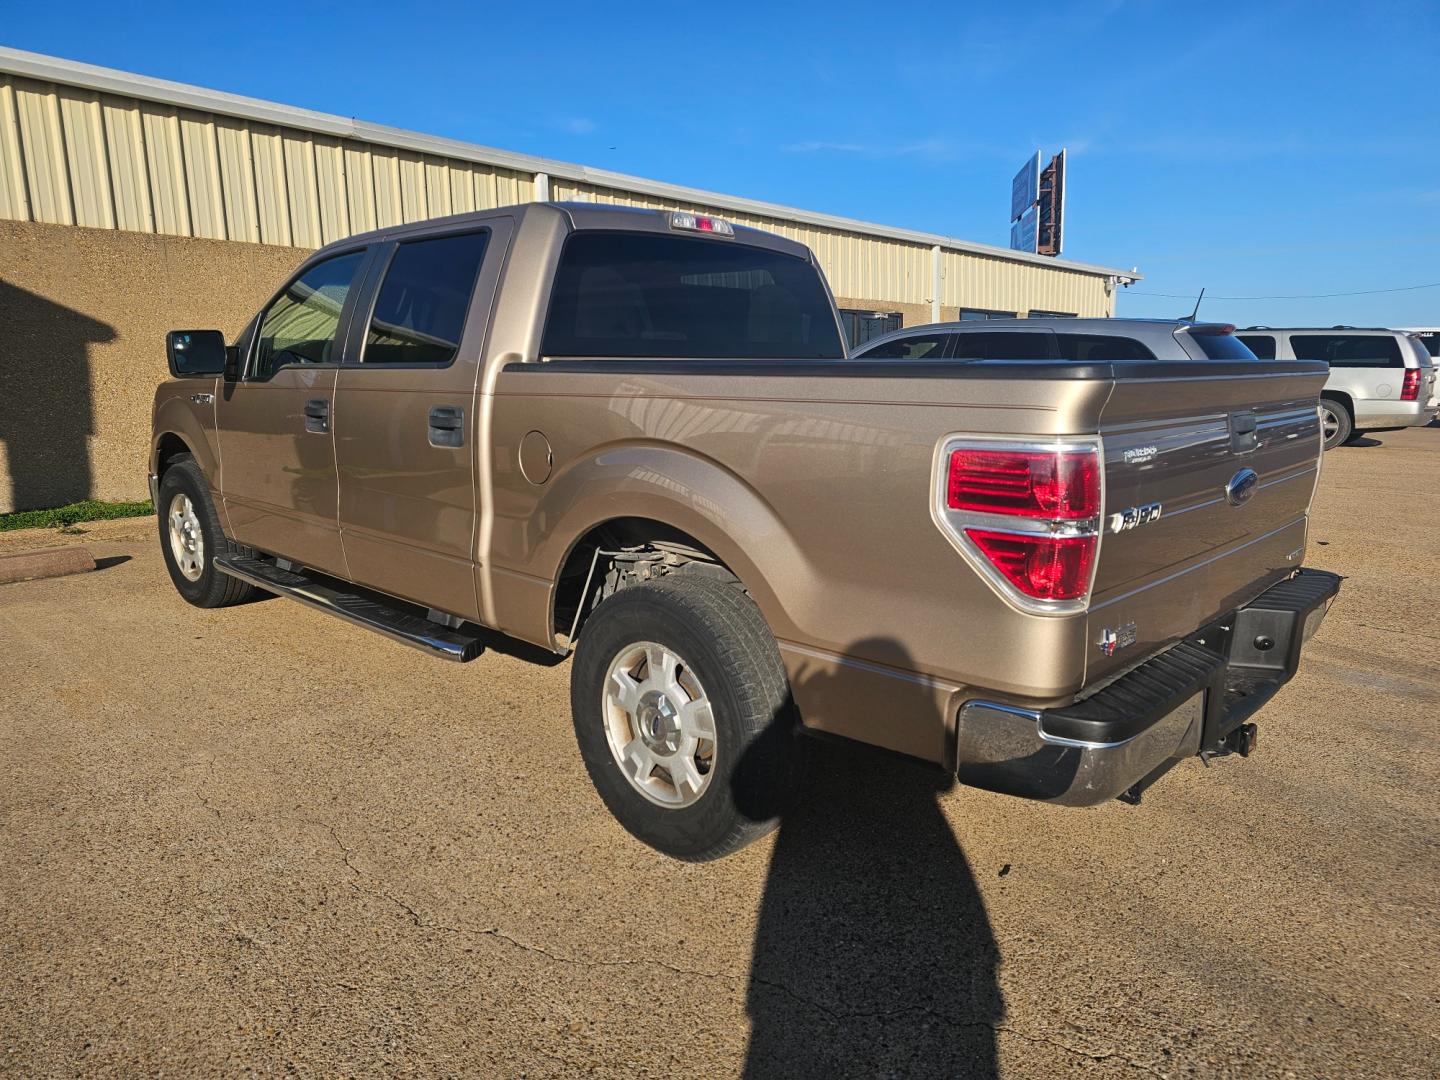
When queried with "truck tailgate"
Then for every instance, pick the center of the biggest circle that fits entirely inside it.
(1208, 481)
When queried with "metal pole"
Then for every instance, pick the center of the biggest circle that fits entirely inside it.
(935, 265)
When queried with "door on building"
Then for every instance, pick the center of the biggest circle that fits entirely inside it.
(863, 326)
(273, 427)
(405, 423)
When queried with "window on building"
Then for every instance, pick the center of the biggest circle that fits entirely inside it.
(301, 325)
(862, 326)
(1262, 345)
(420, 312)
(1101, 347)
(1052, 315)
(973, 314)
(919, 347)
(643, 295)
(1349, 350)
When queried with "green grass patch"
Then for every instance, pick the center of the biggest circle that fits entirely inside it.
(62, 517)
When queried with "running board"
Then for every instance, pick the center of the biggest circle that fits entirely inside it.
(392, 621)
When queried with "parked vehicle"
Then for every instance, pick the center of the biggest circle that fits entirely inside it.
(1380, 380)
(1429, 338)
(1061, 339)
(635, 435)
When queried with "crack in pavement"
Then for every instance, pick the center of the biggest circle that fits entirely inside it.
(837, 1016)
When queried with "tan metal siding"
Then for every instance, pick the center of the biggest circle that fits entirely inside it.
(70, 154)
(43, 153)
(86, 161)
(14, 202)
(974, 281)
(129, 176)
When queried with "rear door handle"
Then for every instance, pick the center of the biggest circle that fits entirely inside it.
(447, 426)
(1243, 437)
(317, 415)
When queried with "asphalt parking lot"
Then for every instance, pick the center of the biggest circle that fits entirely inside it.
(260, 839)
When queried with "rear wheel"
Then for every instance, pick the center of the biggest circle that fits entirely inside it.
(682, 713)
(1335, 422)
(191, 537)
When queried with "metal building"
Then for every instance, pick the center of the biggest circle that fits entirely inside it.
(129, 205)
(90, 146)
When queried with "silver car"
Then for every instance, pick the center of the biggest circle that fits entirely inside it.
(1380, 380)
(1097, 340)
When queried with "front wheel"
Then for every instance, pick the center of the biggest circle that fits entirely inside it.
(1335, 422)
(683, 716)
(191, 537)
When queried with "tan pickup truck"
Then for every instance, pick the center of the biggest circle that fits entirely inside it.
(636, 435)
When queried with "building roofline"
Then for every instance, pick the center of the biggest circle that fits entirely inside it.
(110, 80)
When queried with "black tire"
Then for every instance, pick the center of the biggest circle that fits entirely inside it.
(1334, 413)
(722, 638)
(211, 589)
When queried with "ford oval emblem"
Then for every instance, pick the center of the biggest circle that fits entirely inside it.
(1241, 486)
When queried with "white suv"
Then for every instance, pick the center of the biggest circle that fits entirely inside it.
(1380, 380)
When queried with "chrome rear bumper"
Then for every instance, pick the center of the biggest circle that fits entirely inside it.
(1193, 698)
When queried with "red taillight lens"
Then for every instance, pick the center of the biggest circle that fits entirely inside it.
(1410, 388)
(1060, 485)
(1044, 567)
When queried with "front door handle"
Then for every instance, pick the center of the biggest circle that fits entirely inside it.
(317, 415)
(447, 426)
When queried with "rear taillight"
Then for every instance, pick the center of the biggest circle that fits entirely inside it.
(1410, 388)
(1060, 485)
(1026, 516)
(1042, 567)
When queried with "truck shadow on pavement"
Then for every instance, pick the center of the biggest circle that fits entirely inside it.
(873, 953)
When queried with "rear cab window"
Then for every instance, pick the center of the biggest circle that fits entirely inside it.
(655, 296)
(1349, 350)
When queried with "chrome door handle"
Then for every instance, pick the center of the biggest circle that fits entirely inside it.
(202, 399)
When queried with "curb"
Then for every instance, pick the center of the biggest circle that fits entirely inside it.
(53, 562)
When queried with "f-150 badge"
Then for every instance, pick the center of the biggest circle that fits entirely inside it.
(1112, 641)
(1132, 516)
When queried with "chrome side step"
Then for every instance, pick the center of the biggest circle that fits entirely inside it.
(392, 621)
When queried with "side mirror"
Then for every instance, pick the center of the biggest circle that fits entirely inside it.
(195, 352)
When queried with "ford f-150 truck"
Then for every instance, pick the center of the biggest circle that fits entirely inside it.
(636, 435)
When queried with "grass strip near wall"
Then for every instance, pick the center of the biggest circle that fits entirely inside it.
(62, 517)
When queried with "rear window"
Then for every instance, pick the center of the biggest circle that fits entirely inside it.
(1101, 347)
(910, 348)
(642, 295)
(1349, 350)
(1262, 345)
(1227, 347)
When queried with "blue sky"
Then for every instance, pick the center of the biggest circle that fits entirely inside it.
(1254, 148)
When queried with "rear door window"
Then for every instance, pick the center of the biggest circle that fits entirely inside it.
(920, 347)
(648, 295)
(1262, 345)
(1004, 345)
(1101, 347)
(420, 310)
(1349, 350)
